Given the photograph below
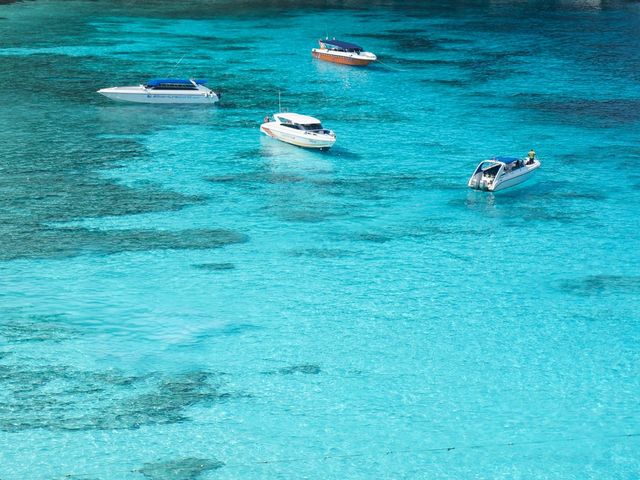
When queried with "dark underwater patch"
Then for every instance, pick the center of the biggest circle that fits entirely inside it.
(239, 328)
(306, 369)
(190, 468)
(37, 328)
(405, 31)
(285, 178)
(260, 70)
(232, 178)
(584, 111)
(515, 209)
(303, 369)
(448, 82)
(374, 237)
(623, 155)
(602, 284)
(214, 267)
(406, 42)
(304, 215)
(260, 92)
(69, 242)
(489, 65)
(320, 253)
(343, 153)
(61, 398)
(377, 187)
(238, 48)
(551, 192)
(374, 187)
(421, 62)
(544, 215)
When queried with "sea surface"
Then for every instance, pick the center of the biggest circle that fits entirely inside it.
(183, 298)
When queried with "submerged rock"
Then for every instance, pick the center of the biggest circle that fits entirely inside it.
(307, 369)
(594, 284)
(64, 398)
(215, 267)
(189, 468)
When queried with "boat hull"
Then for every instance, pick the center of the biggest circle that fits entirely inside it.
(318, 142)
(355, 60)
(506, 180)
(143, 96)
(513, 181)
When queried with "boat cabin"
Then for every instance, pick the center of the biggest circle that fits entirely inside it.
(300, 122)
(491, 167)
(174, 84)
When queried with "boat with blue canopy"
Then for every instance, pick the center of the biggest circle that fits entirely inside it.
(164, 90)
(345, 53)
(498, 173)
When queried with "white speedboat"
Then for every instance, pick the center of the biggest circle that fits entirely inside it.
(499, 173)
(345, 53)
(164, 90)
(300, 130)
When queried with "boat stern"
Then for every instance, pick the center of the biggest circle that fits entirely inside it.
(486, 176)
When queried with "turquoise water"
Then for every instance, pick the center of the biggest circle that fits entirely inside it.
(184, 298)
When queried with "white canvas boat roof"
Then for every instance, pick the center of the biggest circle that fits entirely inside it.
(297, 118)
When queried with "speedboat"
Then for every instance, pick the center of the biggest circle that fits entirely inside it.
(345, 53)
(300, 130)
(499, 173)
(164, 90)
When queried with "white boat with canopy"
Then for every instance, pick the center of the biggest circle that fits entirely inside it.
(164, 90)
(499, 173)
(300, 130)
(337, 51)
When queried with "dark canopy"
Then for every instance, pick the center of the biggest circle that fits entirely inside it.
(344, 45)
(175, 81)
(506, 159)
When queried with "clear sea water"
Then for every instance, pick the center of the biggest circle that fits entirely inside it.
(183, 298)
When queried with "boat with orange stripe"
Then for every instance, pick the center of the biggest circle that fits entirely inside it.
(346, 53)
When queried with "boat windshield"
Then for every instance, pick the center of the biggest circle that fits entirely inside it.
(338, 46)
(489, 168)
(340, 49)
(488, 165)
(312, 127)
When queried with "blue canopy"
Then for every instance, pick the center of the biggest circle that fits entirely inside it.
(340, 44)
(176, 81)
(506, 159)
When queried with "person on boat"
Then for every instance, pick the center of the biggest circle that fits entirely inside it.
(531, 156)
(266, 119)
